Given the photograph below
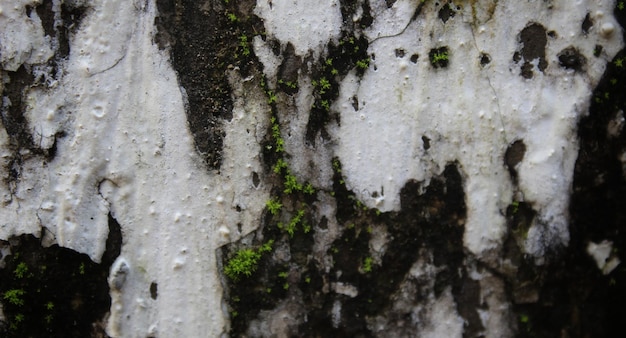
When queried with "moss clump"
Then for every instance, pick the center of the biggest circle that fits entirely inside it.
(273, 206)
(14, 296)
(245, 261)
(439, 57)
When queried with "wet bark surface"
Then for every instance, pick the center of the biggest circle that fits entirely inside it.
(341, 289)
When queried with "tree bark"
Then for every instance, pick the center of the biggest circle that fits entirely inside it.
(331, 168)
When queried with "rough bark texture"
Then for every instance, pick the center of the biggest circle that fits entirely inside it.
(331, 168)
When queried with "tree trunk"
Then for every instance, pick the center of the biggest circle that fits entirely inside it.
(330, 168)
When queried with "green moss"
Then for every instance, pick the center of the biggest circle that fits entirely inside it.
(271, 97)
(16, 321)
(280, 145)
(367, 264)
(275, 128)
(439, 56)
(245, 262)
(523, 318)
(322, 85)
(308, 189)
(291, 227)
(336, 166)
(244, 45)
(289, 84)
(266, 247)
(325, 105)
(291, 184)
(273, 206)
(279, 142)
(363, 64)
(279, 166)
(14, 296)
(21, 270)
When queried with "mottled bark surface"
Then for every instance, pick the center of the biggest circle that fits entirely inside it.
(484, 196)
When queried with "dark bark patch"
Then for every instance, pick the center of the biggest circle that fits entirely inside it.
(349, 8)
(72, 18)
(203, 40)
(514, 154)
(571, 58)
(355, 103)
(425, 142)
(446, 12)
(439, 57)
(154, 293)
(13, 118)
(349, 54)
(430, 219)
(533, 40)
(114, 242)
(597, 50)
(289, 70)
(54, 291)
(46, 14)
(366, 18)
(485, 59)
(587, 24)
(195, 55)
(467, 295)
